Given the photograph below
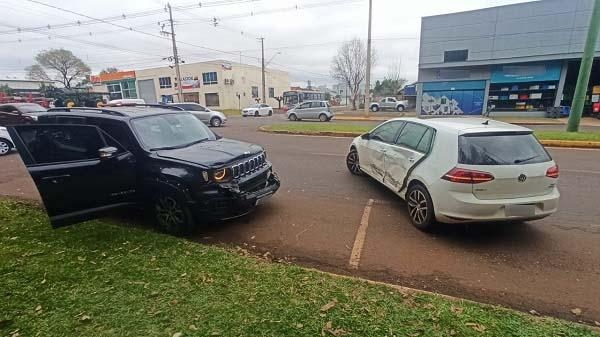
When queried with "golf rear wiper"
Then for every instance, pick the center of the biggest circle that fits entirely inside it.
(519, 161)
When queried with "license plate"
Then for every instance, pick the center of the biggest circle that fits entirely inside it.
(263, 199)
(520, 210)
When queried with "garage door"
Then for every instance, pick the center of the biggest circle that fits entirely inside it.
(147, 91)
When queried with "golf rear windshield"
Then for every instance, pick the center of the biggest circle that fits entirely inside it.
(507, 148)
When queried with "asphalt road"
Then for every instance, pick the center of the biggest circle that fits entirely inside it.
(551, 265)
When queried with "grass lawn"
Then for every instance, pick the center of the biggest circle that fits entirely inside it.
(316, 127)
(563, 135)
(107, 279)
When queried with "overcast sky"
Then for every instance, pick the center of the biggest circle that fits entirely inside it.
(302, 41)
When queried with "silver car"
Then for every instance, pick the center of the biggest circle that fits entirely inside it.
(6, 144)
(311, 110)
(206, 115)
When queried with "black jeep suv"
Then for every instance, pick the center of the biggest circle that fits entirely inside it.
(85, 161)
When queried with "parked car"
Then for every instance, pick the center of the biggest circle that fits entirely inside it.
(459, 169)
(257, 110)
(206, 115)
(388, 103)
(6, 144)
(85, 161)
(19, 113)
(311, 110)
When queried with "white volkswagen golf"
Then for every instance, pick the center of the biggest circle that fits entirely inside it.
(459, 169)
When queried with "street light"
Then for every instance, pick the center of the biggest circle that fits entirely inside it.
(268, 62)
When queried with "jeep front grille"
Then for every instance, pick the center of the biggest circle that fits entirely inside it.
(249, 166)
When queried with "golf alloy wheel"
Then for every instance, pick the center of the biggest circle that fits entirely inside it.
(417, 207)
(353, 163)
(4, 148)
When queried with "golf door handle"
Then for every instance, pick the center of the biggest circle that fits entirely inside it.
(412, 160)
(382, 150)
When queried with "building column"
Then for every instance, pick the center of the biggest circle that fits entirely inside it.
(486, 95)
(561, 83)
(419, 87)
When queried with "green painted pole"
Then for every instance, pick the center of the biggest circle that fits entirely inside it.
(585, 69)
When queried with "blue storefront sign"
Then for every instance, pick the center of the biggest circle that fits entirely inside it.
(453, 98)
(528, 72)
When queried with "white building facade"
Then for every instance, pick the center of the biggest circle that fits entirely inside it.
(215, 84)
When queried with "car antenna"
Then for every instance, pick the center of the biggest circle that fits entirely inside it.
(487, 122)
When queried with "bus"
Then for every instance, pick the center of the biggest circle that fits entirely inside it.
(293, 97)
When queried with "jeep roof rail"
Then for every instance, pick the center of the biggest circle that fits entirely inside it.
(91, 110)
(161, 106)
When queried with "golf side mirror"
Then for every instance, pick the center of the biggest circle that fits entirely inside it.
(366, 136)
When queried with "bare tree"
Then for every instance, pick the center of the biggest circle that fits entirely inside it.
(59, 66)
(350, 66)
(109, 70)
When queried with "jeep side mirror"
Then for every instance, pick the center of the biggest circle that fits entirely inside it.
(366, 136)
(107, 152)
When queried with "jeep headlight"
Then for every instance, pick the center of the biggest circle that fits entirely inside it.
(222, 175)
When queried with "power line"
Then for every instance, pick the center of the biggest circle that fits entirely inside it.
(124, 16)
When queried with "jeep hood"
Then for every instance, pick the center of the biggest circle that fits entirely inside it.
(212, 153)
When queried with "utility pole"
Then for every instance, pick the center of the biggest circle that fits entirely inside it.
(368, 79)
(262, 48)
(585, 69)
(175, 56)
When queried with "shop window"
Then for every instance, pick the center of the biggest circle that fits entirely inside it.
(209, 78)
(211, 99)
(254, 92)
(114, 91)
(165, 82)
(271, 92)
(128, 89)
(456, 55)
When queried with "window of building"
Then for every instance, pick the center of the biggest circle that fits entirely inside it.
(128, 89)
(209, 78)
(456, 55)
(271, 92)
(254, 92)
(114, 91)
(165, 82)
(211, 99)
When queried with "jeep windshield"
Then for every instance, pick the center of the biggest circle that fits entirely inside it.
(171, 131)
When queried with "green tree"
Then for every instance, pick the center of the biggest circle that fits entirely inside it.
(4, 88)
(58, 66)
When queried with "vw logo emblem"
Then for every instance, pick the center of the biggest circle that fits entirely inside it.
(522, 178)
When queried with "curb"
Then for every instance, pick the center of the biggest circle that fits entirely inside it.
(549, 143)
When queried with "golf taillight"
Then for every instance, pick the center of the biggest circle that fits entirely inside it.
(464, 176)
(553, 172)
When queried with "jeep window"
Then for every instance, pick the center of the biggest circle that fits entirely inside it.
(171, 131)
(62, 143)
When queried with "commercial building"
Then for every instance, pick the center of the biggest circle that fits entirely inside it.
(117, 85)
(24, 87)
(216, 84)
(517, 59)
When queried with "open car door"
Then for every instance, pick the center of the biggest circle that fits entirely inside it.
(79, 170)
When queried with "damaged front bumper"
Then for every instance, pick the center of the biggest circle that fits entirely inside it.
(236, 199)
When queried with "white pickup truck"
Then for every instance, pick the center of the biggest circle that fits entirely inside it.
(388, 103)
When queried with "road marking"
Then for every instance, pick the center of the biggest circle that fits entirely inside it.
(361, 235)
(581, 171)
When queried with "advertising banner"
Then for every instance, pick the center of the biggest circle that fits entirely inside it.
(190, 82)
(529, 72)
